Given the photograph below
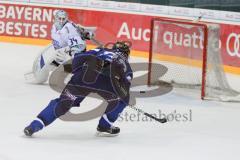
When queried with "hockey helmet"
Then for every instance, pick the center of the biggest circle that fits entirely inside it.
(123, 47)
(60, 19)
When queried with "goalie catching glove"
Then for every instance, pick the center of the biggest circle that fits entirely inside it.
(63, 54)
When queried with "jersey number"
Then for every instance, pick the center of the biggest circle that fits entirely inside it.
(73, 42)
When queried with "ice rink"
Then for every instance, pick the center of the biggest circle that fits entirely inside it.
(209, 131)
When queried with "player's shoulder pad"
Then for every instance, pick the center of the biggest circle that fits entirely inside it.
(69, 27)
(69, 24)
(94, 51)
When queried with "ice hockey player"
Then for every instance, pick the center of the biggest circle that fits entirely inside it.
(67, 39)
(105, 71)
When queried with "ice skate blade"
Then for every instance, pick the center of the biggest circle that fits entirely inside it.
(105, 134)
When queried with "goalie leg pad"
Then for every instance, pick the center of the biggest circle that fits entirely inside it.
(42, 65)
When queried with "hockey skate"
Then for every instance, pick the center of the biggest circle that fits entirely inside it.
(35, 126)
(28, 131)
(107, 132)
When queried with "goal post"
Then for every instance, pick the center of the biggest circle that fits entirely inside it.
(191, 53)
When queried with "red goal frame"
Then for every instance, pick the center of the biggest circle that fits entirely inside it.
(205, 43)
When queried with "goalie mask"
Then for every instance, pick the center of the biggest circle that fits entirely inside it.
(123, 47)
(60, 19)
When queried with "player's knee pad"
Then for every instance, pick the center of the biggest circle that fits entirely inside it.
(54, 109)
(63, 107)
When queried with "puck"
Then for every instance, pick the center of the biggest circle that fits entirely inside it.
(142, 91)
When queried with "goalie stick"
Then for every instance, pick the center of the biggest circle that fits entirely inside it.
(161, 120)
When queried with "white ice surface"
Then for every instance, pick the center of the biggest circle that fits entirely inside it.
(213, 133)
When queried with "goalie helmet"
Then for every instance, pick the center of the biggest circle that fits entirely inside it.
(123, 47)
(60, 19)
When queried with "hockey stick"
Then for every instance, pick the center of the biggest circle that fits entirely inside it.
(161, 120)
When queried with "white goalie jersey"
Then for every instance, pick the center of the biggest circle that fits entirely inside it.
(68, 37)
(66, 42)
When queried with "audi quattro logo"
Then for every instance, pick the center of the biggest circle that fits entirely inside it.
(235, 51)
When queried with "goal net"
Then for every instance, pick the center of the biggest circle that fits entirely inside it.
(190, 51)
